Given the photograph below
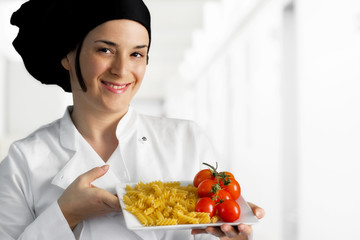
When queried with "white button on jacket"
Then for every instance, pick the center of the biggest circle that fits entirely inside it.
(40, 167)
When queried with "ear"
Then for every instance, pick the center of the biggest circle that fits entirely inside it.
(65, 63)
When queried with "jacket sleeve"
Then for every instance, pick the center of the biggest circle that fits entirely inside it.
(205, 149)
(18, 219)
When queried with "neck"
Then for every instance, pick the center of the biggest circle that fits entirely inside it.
(98, 129)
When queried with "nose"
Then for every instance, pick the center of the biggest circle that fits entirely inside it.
(119, 66)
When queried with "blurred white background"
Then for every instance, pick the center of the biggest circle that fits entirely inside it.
(274, 83)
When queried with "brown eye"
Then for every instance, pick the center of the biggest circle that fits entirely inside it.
(104, 50)
(137, 55)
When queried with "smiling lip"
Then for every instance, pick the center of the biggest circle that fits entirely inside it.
(115, 88)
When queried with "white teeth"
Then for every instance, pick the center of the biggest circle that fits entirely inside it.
(115, 86)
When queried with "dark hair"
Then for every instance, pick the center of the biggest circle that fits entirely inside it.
(77, 66)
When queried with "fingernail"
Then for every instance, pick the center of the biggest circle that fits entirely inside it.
(228, 228)
(259, 213)
(105, 167)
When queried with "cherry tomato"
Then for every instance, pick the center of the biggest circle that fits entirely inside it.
(201, 176)
(229, 210)
(206, 205)
(221, 195)
(228, 174)
(225, 177)
(207, 188)
(233, 188)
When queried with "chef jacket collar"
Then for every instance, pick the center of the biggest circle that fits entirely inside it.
(126, 125)
(69, 134)
(81, 161)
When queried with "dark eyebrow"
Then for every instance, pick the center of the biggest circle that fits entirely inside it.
(140, 46)
(107, 42)
(115, 45)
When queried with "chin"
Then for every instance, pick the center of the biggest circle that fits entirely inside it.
(118, 109)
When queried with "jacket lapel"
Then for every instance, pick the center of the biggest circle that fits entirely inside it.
(83, 160)
(80, 163)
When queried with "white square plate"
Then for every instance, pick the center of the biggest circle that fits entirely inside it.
(132, 223)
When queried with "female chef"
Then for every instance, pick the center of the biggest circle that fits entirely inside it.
(55, 183)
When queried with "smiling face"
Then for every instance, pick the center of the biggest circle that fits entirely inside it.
(112, 62)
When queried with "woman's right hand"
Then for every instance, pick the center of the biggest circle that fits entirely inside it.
(81, 200)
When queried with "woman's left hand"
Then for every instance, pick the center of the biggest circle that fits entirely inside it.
(241, 232)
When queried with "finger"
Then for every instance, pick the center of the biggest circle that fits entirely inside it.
(215, 231)
(106, 198)
(258, 211)
(245, 229)
(229, 231)
(93, 174)
(198, 231)
(111, 201)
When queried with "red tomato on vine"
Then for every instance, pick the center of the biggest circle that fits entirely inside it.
(206, 205)
(207, 188)
(233, 188)
(229, 210)
(221, 196)
(218, 192)
(202, 175)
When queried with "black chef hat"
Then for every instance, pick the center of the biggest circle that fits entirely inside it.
(49, 29)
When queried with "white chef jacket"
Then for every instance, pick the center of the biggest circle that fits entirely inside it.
(40, 167)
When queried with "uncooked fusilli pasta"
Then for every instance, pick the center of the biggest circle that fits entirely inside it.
(164, 203)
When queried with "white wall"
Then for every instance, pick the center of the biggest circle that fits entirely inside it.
(232, 89)
(276, 86)
(329, 74)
